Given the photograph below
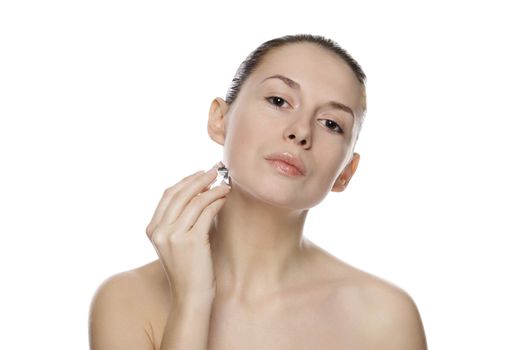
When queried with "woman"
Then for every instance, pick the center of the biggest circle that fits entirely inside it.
(234, 270)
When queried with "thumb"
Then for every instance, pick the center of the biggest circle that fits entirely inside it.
(203, 224)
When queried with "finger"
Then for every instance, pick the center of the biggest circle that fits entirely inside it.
(203, 224)
(182, 198)
(197, 205)
(167, 196)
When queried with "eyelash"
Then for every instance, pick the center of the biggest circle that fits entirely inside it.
(340, 130)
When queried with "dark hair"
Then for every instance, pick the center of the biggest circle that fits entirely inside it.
(255, 57)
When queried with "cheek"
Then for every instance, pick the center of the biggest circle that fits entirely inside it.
(249, 126)
(239, 132)
(329, 163)
(243, 138)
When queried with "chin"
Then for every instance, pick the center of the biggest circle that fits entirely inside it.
(276, 196)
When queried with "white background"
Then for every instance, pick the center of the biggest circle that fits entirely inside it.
(104, 104)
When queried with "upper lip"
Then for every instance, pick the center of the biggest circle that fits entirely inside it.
(289, 158)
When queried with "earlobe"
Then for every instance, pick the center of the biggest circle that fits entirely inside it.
(343, 180)
(340, 184)
(216, 124)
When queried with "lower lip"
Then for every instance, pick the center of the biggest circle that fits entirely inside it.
(284, 168)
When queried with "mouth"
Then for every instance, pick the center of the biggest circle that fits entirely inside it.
(284, 168)
(287, 164)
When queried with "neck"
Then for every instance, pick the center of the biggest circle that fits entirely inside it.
(257, 248)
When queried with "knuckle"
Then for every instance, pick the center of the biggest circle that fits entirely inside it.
(149, 231)
(198, 199)
(174, 239)
(168, 191)
(157, 237)
(157, 240)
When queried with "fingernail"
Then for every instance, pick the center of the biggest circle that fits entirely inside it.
(217, 165)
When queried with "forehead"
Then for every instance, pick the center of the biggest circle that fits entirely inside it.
(318, 71)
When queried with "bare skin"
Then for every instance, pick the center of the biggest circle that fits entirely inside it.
(339, 307)
(256, 282)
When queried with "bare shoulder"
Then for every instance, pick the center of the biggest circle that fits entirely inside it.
(390, 314)
(132, 285)
(123, 308)
(384, 315)
(145, 288)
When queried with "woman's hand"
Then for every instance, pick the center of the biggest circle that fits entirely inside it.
(179, 231)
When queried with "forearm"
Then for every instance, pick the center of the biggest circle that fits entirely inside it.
(187, 326)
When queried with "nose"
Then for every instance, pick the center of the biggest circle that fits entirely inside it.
(301, 141)
(301, 135)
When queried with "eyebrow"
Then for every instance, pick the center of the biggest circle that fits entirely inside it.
(294, 85)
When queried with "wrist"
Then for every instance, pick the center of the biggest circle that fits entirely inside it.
(193, 300)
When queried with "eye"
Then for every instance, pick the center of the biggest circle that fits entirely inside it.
(276, 101)
(332, 125)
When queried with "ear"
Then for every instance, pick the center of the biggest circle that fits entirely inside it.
(343, 180)
(216, 125)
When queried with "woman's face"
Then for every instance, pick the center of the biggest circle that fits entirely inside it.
(269, 116)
